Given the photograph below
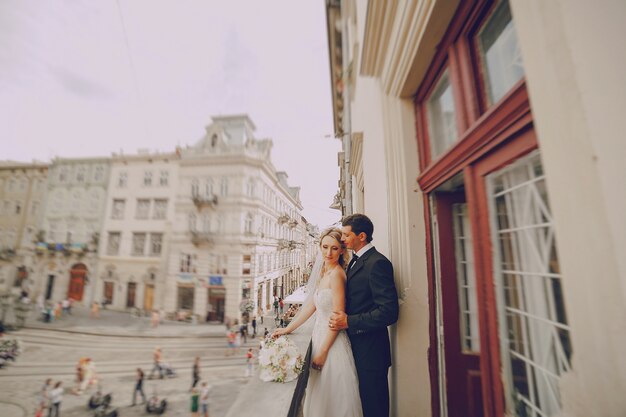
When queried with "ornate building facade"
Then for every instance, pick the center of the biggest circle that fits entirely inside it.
(233, 236)
(196, 233)
(22, 195)
(70, 228)
(136, 228)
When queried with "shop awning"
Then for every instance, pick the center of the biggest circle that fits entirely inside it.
(297, 297)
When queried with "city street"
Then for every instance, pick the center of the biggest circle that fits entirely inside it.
(119, 343)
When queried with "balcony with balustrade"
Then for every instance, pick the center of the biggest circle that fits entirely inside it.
(201, 238)
(203, 200)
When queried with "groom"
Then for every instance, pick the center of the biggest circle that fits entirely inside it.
(371, 306)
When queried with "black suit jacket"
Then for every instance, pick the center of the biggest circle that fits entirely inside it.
(371, 306)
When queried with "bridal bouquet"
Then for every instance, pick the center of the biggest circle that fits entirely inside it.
(280, 360)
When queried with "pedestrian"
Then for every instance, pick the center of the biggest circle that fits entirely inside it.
(70, 303)
(95, 310)
(243, 332)
(204, 399)
(156, 358)
(44, 396)
(65, 305)
(58, 308)
(209, 311)
(56, 396)
(195, 399)
(265, 333)
(261, 312)
(281, 304)
(154, 319)
(195, 373)
(254, 327)
(249, 357)
(40, 303)
(89, 375)
(230, 339)
(276, 305)
(139, 387)
(79, 377)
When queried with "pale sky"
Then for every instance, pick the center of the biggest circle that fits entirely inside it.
(87, 78)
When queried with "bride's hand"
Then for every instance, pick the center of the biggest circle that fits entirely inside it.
(318, 361)
(279, 332)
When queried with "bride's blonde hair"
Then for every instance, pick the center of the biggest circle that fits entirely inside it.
(335, 234)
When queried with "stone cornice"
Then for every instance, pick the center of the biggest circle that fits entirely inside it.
(419, 26)
(356, 158)
(378, 26)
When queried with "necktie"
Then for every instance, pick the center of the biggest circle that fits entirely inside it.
(353, 261)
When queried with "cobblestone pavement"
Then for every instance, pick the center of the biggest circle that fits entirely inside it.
(118, 344)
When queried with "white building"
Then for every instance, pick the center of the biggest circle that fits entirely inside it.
(233, 233)
(72, 219)
(135, 231)
(22, 193)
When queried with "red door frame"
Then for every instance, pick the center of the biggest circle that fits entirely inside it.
(459, 365)
(489, 137)
(76, 287)
(514, 149)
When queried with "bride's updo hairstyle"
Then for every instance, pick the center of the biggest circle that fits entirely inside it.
(336, 234)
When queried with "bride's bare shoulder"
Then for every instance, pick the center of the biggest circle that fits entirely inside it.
(338, 273)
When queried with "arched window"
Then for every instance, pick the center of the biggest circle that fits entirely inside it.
(206, 223)
(219, 224)
(248, 223)
(224, 187)
(250, 188)
(192, 222)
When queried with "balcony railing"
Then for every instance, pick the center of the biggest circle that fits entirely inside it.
(199, 238)
(200, 200)
(68, 249)
(292, 223)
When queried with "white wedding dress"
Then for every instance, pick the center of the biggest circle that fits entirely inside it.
(333, 391)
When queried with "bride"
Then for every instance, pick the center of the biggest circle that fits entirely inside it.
(333, 387)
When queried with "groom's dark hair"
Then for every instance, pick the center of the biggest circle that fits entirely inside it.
(359, 223)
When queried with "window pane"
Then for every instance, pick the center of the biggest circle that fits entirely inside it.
(441, 117)
(139, 243)
(464, 255)
(113, 247)
(155, 243)
(536, 347)
(500, 53)
(160, 209)
(143, 208)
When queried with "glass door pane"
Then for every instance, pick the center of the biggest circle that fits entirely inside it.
(534, 333)
(466, 279)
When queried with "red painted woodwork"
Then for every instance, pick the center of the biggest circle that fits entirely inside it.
(463, 370)
(433, 354)
(490, 136)
(505, 155)
(511, 116)
(78, 274)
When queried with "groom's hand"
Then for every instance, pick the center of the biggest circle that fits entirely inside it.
(338, 321)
